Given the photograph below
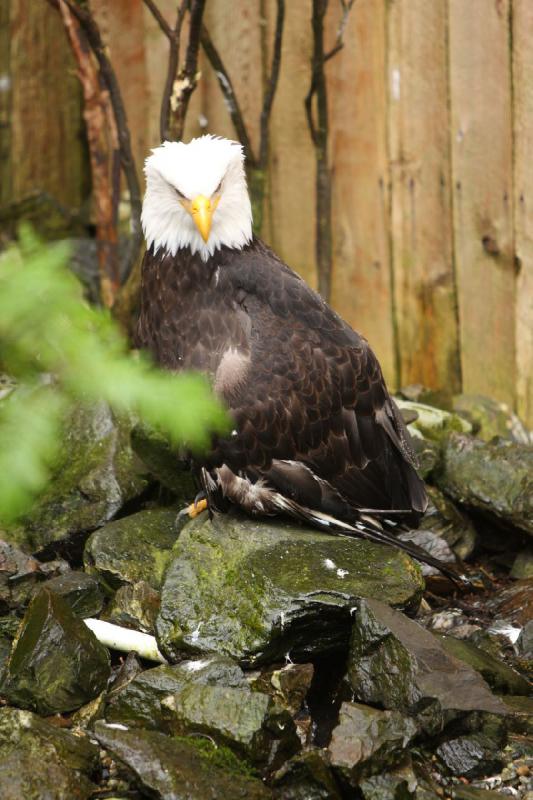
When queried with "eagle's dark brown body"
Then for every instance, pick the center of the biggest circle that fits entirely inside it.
(313, 420)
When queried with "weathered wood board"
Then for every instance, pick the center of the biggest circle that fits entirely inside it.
(482, 159)
(361, 286)
(523, 199)
(421, 212)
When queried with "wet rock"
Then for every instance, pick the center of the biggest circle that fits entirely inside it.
(470, 756)
(490, 418)
(427, 453)
(257, 590)
(523, 565)
(525, 640)
(514, 604)
(39, 760)
(307, 776)
(175, 770)
(494, 478)
(162, 461)
(433, 544)
(444, 518)
(434, 423)
(395, 663)
(139, 703)
(132, 549)
(367, 741)
(498, 675)
(80, 591)
(95, 475)
(249, 723)
(19, 575)
(135, 605)
(462, 792)
(56, 664)
(288, 685)
(400, 783)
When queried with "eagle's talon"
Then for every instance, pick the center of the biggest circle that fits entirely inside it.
(191, 511)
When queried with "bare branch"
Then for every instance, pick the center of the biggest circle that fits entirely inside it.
(158, 16)
(319, 131)
(272, 85)
(229, 95)
(103, 145)
(186, 81)
(94, 37)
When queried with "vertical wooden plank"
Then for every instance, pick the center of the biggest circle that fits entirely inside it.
(291, 179)
(480, 94)
(46, 115)
(361, 287)
(237, 37)
(6, 88)
(122, 25)
(523, 197)
(421, 219)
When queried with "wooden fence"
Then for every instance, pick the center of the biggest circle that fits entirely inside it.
(431, 134)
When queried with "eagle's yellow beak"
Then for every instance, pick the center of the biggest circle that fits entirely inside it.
(202, 210)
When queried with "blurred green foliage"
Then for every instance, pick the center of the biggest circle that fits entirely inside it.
(62, 351)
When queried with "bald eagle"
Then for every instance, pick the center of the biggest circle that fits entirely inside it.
(315, 433)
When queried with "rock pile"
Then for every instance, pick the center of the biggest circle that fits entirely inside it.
(299, 666)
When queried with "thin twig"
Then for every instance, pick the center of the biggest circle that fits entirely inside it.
(158, 16)
(271, 86)
(173, 35)
(319, 131)
(103, 151)
(228, 93)
(185, 84)
(92, 31)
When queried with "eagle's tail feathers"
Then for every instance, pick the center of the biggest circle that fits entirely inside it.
(365, 528)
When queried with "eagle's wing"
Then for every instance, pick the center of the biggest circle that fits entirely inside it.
(313, 417)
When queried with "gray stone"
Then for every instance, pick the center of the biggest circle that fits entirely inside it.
(495, 478)
(470, 756)
(288, 685)
(258, 590)
(162, 461)
(132, 549)
(56, 663)
(42, 761)
(176, 770)
(434, 423)
(394, 662)
(307, 776)
(444, 518)
(95, 474)
(80, 591)
(250, 723)
(139, 702)
(523, 565)
(491, 418)
(367, 741)
(499, 676)
(135, 605)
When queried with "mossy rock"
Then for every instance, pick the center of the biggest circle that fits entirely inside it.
(95, 474)
(39, 760)
(132, 549)
(169, 767)
(434, 423)
(56, 663)
(256, 591)
(495, 478)
(491, 418)
(138, 704)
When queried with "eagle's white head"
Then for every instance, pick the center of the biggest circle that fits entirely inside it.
(196, 197)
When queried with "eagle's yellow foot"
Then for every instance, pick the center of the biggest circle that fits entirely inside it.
(192, 511)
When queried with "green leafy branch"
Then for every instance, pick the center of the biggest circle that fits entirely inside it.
(62, 351)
